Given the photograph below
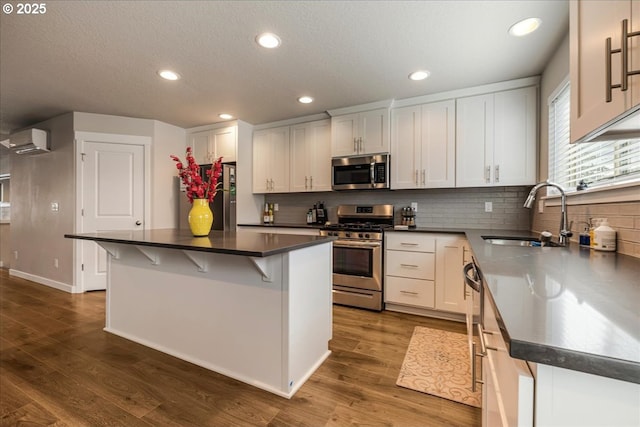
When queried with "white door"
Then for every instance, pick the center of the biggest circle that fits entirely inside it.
(112, 196)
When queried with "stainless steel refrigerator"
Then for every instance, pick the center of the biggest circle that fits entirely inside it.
(223, 205)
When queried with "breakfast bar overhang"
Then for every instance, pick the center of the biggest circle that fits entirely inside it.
(255, 307)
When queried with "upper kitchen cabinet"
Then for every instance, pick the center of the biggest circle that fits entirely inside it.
(210, 144)
(496, 138)
(310, 156)
(423, 146)
(591, 23)
(365, 132)
(271, 160)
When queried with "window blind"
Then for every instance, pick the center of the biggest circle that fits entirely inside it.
(597, 163)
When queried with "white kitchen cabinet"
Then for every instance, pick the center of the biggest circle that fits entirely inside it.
(496, 138)
(423, 273)
(210, 144)
(508, 391)
(360, 133)
(409, 270)
(271, 160)
(423, 146)
(591, 23)
(450, 286)
(310, 157)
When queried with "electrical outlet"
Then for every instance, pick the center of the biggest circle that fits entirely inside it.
(15, 254)
(414, 206)
(275, 207)
(488, 206)
(540, 206)
(55, 207)
(55, 262)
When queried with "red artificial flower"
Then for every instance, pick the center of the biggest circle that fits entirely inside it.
(196, 186)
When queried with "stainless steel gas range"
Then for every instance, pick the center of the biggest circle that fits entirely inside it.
(357, 254)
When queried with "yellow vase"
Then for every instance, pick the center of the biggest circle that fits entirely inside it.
(200, 218)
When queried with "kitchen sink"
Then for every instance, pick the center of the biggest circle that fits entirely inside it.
(517, 241)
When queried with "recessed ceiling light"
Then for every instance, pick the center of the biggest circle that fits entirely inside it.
(524, 27)
(419, 75)
(305, 100)
(268, 40)
(169, 75)
(225, 116)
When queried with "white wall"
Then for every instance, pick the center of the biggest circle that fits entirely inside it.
(167, 140)
(37, 232)
(554, 73)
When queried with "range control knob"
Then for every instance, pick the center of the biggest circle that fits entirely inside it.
(360, 235)
(347, 234)
(366, 236)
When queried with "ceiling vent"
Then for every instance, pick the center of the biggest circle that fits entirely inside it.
(30, 141)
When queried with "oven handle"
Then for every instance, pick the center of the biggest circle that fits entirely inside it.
(355, 244)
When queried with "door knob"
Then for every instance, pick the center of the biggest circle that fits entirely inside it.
(138, 222)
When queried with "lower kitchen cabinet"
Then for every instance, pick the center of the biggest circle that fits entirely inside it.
(423, 273)
(507, 392)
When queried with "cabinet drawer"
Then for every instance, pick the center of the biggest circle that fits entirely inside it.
(409, 291)
(415, 265)
(414, 242)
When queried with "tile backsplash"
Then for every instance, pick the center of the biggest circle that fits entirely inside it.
(623, 217)
(437, 208)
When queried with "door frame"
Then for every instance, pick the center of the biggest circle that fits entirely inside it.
(109, 138)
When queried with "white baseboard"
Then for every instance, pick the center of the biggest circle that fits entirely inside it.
(45, 281)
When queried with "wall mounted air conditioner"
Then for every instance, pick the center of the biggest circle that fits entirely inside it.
(29, 141)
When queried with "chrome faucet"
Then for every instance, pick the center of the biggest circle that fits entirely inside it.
(565, 228)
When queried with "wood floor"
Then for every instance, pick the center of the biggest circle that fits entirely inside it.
(58, 367)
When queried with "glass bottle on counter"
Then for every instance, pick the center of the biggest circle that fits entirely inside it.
(265, 214)
(271, 213)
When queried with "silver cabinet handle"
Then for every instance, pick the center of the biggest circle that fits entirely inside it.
(417, 180)
(408, 244)
(409, 292)
(487, 174)
(424, 174)
(409, 265)
(474, 354)
(361, 145)
(355, 145)
(497, 173)
(305, 182)
(311, 183)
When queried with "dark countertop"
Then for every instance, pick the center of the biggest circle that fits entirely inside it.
(569, 307)
(245, 243)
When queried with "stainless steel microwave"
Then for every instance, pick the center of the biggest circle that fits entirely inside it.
(360, 173)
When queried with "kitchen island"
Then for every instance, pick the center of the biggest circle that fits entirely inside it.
(252, 306)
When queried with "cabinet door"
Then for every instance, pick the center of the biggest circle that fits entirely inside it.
(514, 143)
(320, 157)
(374, 131)
(437, 140)
(474, 141)
(416, 292)
(261, 166)
(450, 287)
(591, 23)
(200, 142)
(406, 154)
(413, 265)
(298, 161)
(279, 159)
(344, 131)
(224, 143)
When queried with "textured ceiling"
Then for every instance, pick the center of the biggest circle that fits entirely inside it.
(102, 56)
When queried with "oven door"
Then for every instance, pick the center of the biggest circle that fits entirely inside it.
(357, 264)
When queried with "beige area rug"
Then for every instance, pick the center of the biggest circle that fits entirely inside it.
(437, 363)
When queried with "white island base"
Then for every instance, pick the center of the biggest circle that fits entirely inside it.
(265, 321)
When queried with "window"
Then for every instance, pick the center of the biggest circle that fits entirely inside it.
(596, 163)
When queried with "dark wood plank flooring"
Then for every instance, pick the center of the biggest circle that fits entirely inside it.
(59, 368)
